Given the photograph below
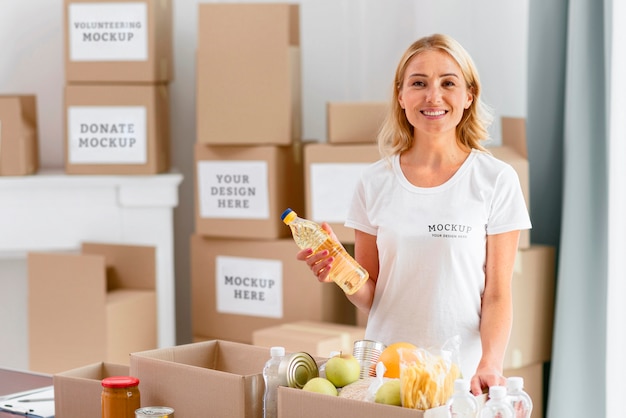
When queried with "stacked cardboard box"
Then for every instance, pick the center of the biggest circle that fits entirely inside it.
(93, 306)
(19, 153)
(118, 63)
(248, 158)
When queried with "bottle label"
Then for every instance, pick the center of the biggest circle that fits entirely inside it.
(107, 135)
(249, 286)
(233, 189)
(332, 187)
(108, 31)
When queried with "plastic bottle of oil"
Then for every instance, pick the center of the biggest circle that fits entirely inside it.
(345, 271)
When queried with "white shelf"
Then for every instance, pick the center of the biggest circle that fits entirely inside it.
(52, 211)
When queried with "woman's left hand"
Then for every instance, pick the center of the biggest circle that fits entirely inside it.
(484, 378)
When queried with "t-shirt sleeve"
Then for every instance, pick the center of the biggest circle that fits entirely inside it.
(357, 217)
(508, 209)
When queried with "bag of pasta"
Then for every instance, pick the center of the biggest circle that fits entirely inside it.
(427, 375)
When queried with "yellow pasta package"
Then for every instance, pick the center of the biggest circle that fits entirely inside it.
(427, 375)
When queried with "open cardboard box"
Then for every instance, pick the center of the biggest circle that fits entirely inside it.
(211, 378)
(296, 403)
(77, 392)
(97, 305)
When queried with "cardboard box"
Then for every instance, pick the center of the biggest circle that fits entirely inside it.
(296, 403)
(77, 392)
(117, 129)
(242, 191)
(534, 376)
(19, 146)
(331, 173)
(133, 42)
(212, 378)
(534, 278)
(515, 152)
(354, 122)
(248, 88)
(239, 286)
(314, 337)
(98, 305)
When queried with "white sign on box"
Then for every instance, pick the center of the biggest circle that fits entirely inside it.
(249, 286)
(233, 189)
(107, 135)
(108, 31)
(332, 188)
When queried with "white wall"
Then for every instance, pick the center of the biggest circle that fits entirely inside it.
(349, 52)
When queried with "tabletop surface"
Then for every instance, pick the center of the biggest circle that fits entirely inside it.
(13, 381)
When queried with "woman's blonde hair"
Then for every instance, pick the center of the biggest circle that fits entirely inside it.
(396, 133)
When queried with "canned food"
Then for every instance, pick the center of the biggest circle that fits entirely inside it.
(296, 369)
(155, 412)
(367, 353)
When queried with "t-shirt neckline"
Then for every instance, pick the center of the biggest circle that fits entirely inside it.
(435, 189)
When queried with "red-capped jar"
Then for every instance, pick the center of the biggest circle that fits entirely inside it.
(120, 397)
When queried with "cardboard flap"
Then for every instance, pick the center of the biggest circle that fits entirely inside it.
(514, 135)
(128, 266)
(57, 316)
(241, 359)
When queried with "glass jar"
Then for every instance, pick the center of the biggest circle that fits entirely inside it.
(120, 397)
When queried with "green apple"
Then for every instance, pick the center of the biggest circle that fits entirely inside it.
(389, 393)
(320, 385)
(342, 370)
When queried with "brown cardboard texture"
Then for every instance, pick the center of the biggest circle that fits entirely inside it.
(296, 403)
(77, 392)
(533, 375)
(117, 129)
(514, 151)
(19, 146)
(534, 279)
(239, 286)
(242, 190)
(331, 173)
(354, 122)
(314, 337)
(271, 110)
(135, 49)
(98, 305)
(212, 378)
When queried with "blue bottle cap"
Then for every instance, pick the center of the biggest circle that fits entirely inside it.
(285, 213)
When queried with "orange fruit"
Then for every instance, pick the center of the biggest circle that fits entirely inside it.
(390, 357)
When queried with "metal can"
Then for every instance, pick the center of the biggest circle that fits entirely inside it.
(296, 369)
(120, 396)
(155, 412)
(367, 353)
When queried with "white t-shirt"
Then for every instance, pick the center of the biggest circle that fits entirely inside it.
(432, 249)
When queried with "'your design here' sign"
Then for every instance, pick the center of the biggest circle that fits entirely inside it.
(233, 189)
(249, 286)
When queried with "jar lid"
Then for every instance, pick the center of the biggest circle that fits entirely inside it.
(120, 382)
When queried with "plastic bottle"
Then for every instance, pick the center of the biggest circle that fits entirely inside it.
(462, 404)
(272, 379)
(520, 400)
(497, 406)
(345, 271)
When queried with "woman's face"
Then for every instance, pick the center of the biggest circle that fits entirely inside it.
(434, 93)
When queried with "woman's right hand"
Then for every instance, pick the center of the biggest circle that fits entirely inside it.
(321, 262)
